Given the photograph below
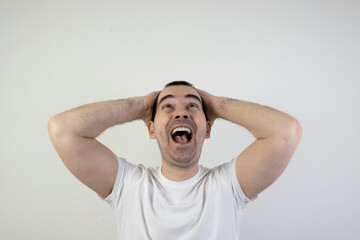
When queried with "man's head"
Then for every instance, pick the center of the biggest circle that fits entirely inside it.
(175, 83)
(179, 124)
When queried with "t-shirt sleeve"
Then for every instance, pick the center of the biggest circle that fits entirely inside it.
(228, 172)
(124, 168)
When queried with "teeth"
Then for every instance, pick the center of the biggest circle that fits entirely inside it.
(181, 129)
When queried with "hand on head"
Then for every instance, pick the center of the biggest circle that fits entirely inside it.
(209, 101)
(150, 100)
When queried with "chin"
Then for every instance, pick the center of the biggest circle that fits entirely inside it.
(184, 160)
(182, 164)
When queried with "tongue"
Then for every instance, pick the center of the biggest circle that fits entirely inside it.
(181, 139)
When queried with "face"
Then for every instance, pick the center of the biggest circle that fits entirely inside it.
(180, 126)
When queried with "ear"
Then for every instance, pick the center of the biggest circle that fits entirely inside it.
(151, 129)
(208, 129)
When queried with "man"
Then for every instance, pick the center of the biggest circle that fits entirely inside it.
(181, 199)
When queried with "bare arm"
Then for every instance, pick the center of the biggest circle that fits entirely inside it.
(277, 133)
(73, 134)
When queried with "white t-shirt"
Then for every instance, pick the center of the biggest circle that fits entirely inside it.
(149, 206)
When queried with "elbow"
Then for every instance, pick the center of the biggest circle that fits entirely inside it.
(293, 132)
(51, 125)
(54, 127)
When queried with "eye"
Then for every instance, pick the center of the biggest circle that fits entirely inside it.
(193, 105)
(167, 106)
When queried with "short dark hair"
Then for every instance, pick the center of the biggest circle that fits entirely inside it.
(179, 82)
(175, 83)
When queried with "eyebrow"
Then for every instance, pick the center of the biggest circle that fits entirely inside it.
(186, 96)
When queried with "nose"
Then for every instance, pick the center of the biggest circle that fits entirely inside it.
(181, 116)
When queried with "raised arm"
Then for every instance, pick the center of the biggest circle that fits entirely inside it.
(277, 136)
(73, 134)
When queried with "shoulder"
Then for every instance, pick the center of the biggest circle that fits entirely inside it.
(226, 174)
(221, 173)
(226, 169)
(133, 172)
(128, 172)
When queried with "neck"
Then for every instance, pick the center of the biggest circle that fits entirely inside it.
(175, 173)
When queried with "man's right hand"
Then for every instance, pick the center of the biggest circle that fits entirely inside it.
(150, 101)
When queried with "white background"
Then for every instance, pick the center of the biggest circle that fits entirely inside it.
(301, 57)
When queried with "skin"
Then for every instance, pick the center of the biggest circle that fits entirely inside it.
(178, 106)
(277, 137)
(74, 133)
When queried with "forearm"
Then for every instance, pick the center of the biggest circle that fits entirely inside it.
(91, 120)
(261, 121)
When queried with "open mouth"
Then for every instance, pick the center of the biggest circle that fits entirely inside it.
(181, 135)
